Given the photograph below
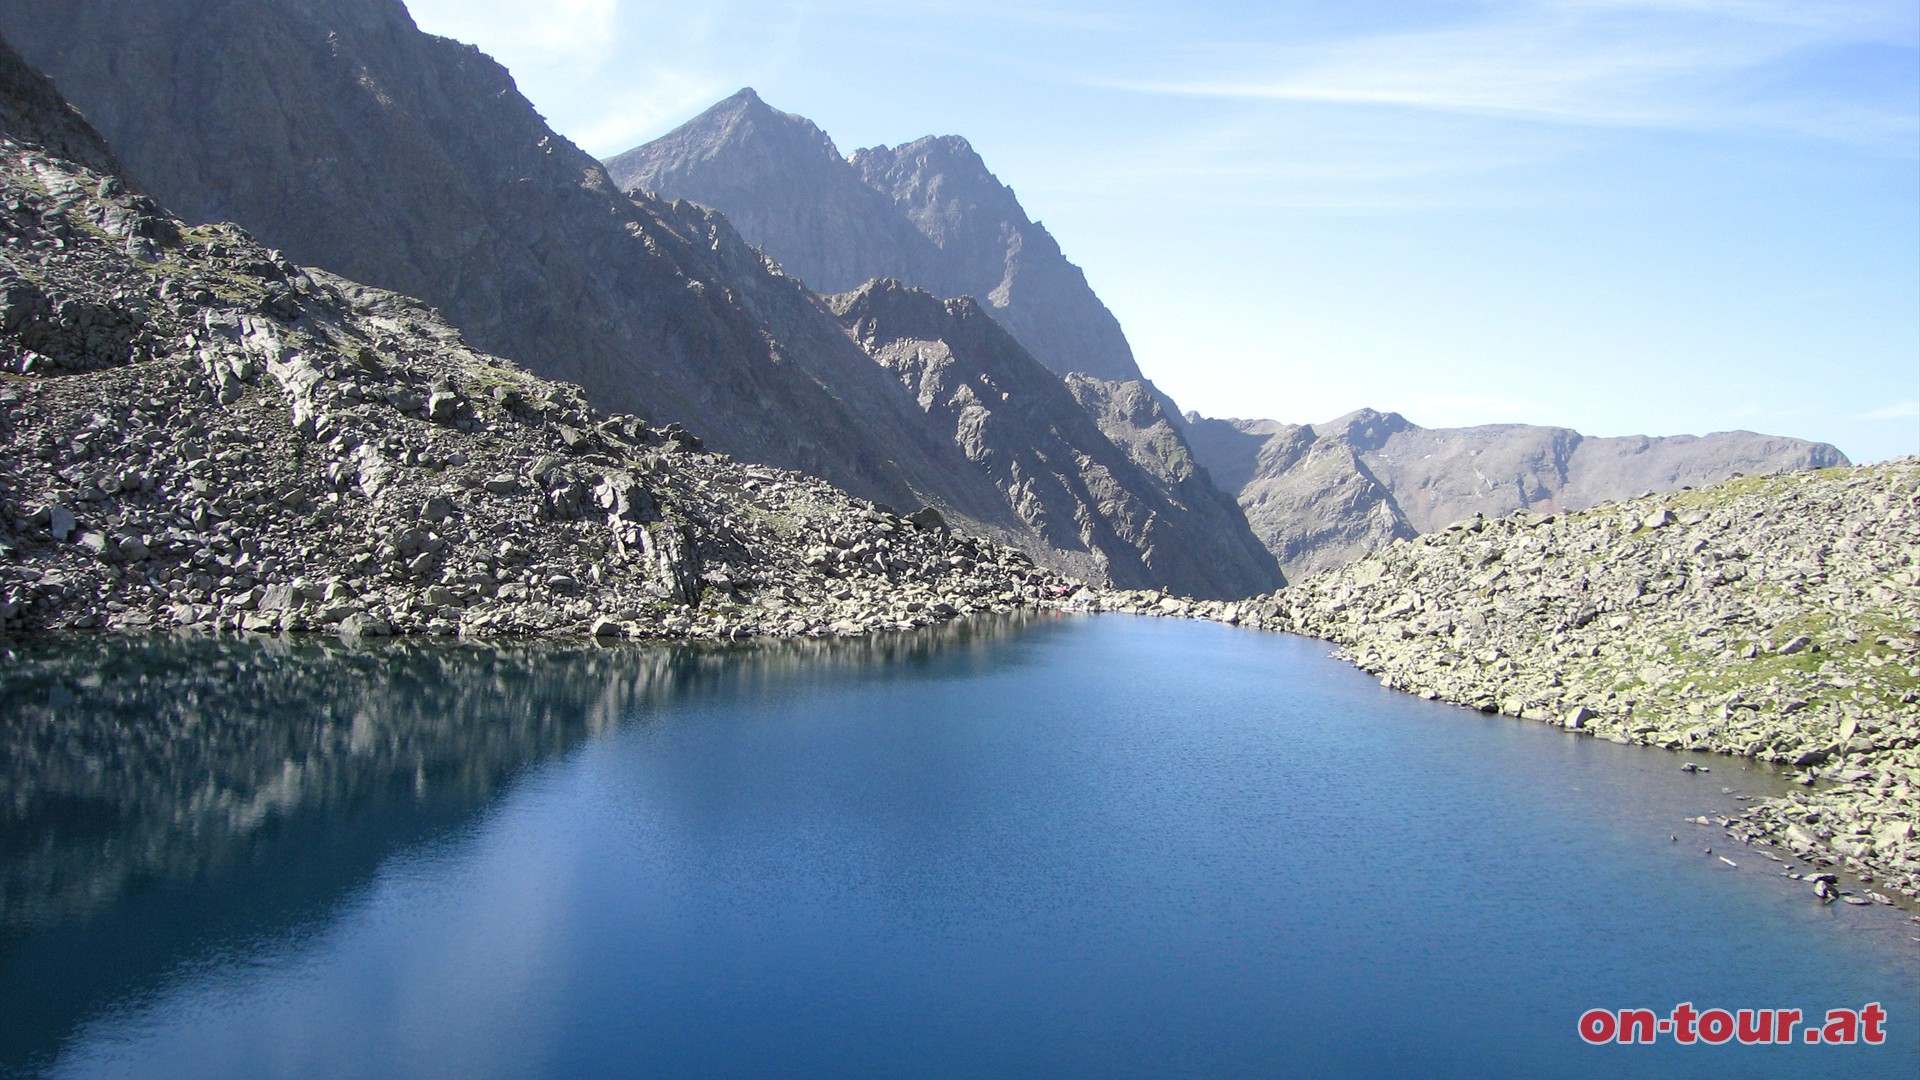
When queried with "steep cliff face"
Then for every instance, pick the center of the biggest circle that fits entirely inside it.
(1323, 495)
(928, 213)
(995, 252)
(1080, 492)
(337, 131)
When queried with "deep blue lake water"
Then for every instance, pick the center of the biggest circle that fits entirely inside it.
(1092, 847)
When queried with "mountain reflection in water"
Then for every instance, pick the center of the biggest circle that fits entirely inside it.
(172, 799)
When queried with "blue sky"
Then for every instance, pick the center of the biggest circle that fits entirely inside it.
(1622, 216)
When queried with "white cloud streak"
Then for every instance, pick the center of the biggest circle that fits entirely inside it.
(1899, 410)
(1688, 64)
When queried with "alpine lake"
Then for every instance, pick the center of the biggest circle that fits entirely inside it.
(1034, 846)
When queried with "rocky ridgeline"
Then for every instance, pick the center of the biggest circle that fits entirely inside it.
(1322, 495)
(194, 432)
(1773, 617)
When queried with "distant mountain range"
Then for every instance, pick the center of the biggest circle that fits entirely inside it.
(337, 131)
(1320, 495)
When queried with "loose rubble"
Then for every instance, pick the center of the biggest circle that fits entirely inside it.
(196, 433)
(1775, 618)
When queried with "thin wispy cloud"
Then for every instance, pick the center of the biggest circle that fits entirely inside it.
(1899, 410)
(1623, 63)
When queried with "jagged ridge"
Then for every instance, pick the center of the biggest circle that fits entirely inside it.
(928, 213)
(337, 131)
(1079, 491)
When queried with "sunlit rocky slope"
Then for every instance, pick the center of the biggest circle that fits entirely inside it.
(195, 431)
(1078, 489)
(338, 132)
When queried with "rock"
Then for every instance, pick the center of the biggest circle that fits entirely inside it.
(361, 624)
(441, 596)
(929, 519)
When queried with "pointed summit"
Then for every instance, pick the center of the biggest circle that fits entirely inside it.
(745, 133)
(785, 187)
(928, 212)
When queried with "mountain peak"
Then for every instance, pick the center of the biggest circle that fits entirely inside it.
(1366, 428)
(742, 127)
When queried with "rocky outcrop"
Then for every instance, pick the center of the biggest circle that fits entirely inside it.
(1312, 501)
(1323, 495)
(196, 432)
(1079, 492)
(928, 213)
(337, 132)
(1771, 617)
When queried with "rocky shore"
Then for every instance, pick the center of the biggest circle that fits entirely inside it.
(1772, 617)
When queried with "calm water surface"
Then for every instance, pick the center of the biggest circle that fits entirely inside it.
(1099, 847)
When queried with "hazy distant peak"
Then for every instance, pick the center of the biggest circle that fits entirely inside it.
(1366, 428)
(737, 126)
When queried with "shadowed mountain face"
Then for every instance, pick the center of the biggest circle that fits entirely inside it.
(928, 213)
(1325, 494)
(337, 131)
(1071, 483)
(195, 432)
